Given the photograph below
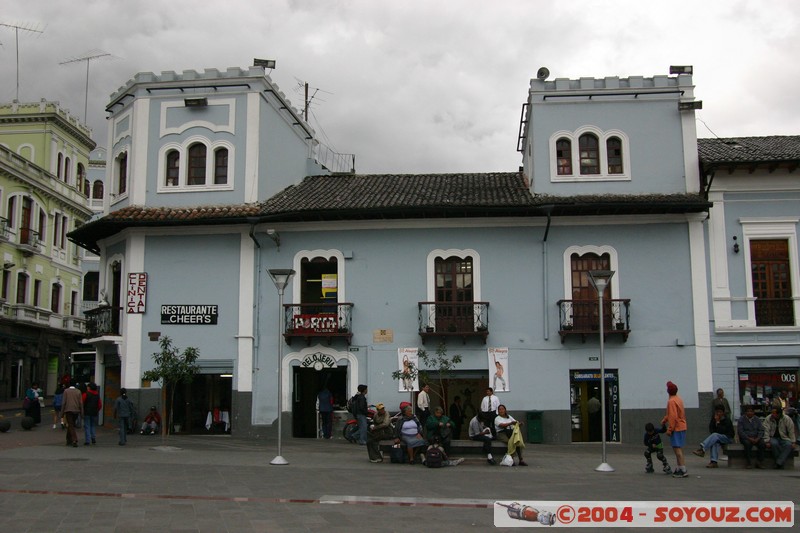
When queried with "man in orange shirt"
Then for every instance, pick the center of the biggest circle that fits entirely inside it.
(676, 427)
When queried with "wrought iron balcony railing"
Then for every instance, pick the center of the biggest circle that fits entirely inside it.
(308, 321)
(103, 321)
(3, 229)
(774, 312)
(580, 317)
(453, 319)
(28, 241)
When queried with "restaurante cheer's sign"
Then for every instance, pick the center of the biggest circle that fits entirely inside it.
(189, 314)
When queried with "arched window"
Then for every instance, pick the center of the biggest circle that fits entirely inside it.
(197, 164)
(590, 154)
(173, 168)
(67, 169)
(97, 190)
(220, 166)
(122, 173)
(55, 298)
(22, 287)
(81, 183)
(59, 166)
(614, 154)
(564, 156)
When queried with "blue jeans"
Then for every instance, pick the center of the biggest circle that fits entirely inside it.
(123, 429)
(89, 427)
(714, 442)
(327, 423)
(362, 428)
(780, 450)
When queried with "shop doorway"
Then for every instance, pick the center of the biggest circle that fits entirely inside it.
(306, 384)
(203, 407)
(585, 408)
(470, 387)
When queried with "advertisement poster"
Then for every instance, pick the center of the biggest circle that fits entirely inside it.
(498, 370)
(406, 359)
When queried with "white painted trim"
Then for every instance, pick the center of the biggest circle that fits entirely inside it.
(252, 152)
(288, 359)
(230, 127)
(702, 336)
(117, 135)
(602, 139)
(310, 255)
(183, 166)
(718, 246)
(451, 252)
(246, 332)
(616, 281)
(771, 228)
(139, 153)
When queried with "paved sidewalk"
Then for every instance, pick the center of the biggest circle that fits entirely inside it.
(219, 484)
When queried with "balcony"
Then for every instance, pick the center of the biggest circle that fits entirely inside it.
(453, 319)
(29, 242)
(774, 312)
(103, 321)
(30, 314)
(579, 317)
(324, 321)
(3, 229)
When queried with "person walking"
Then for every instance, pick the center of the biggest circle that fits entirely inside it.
(73, 408)
(123, 411)
(676, 428)
(92, 404)
(325, 401)
(58, 400)
(361, 410)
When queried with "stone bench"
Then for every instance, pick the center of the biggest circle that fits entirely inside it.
(735, 453)
(459, 446)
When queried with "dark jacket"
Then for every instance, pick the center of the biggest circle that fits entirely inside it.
(653, 442)
(92, 402)
(398, 426)
(723, 427)
(750, 428)
(361, 405)
(123, 407)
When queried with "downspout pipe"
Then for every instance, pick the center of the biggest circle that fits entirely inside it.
(257, 302)
(547, 210)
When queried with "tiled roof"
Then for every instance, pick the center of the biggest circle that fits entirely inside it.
(775, 148)
(355, 197)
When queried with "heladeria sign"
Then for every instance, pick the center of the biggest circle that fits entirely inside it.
(189, 314)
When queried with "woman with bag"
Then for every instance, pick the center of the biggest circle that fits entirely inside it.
(33, 408)
(408, 430)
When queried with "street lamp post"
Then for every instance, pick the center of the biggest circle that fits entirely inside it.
(600, 280)
(280, 277)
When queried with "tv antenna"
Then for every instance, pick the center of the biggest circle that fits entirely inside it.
(16, 27)
(88, 57)
(308, 99)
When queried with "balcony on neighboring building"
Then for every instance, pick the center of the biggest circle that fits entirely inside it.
(321, 321)
(103, 321)
(453, 319)
(29, 242)
(30, 314)
(3, 229)
(580, 317)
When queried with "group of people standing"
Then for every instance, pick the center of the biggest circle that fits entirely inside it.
(76, 405)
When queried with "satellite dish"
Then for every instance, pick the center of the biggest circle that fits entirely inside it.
(542, 73)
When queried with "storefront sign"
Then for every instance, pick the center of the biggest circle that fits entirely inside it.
(318, 361)
(136, 296)
(321, 323)
(189, 314)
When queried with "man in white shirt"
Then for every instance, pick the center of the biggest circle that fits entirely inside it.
(424, 404)
(489, 409)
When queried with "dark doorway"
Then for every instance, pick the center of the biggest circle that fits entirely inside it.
(204, 405)
(585, 406)
(306, 384)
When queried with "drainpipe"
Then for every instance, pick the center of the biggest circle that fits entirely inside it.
(547, 209)
(257, 303)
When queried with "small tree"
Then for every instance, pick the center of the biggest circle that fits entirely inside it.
(171, 369)
(441, 363)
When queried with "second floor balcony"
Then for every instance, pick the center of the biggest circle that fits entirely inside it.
(319, 320)
(28, 241)
(453, 319)
(103, 321)
(580, 317)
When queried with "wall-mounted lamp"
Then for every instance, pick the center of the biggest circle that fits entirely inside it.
(266, 63)
(688, 106)
(8, 265)
(680, 69)
(275, 236)
(735, 245)
(195, 102)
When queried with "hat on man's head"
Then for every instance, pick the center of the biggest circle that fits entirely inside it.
(672, 388)
(379, 406)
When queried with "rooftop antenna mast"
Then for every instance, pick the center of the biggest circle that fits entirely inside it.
(88, 57)
(16, 28)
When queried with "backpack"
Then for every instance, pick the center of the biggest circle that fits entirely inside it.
(351, 405)
(434, 457)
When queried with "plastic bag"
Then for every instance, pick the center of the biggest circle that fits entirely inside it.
(507, 460)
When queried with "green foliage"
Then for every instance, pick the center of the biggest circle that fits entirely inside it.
(171, 369)
(440, 363)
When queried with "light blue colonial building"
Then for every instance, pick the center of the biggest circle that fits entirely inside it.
(214, 179)
(754, 277)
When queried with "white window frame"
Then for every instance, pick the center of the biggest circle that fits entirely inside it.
(613, 259)
(431, 275)
(764, 229)
(114, 194)
(602, 139)
(183, 166)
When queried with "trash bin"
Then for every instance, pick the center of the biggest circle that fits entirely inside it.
(535, 429)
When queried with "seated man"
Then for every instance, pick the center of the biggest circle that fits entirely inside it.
(151, 422)
(751, 433)
(779, 436)
(721, 432)
(381, 428)
(478, 431)
(440, 426)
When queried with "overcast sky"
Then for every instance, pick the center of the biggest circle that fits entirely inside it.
(417, 85)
